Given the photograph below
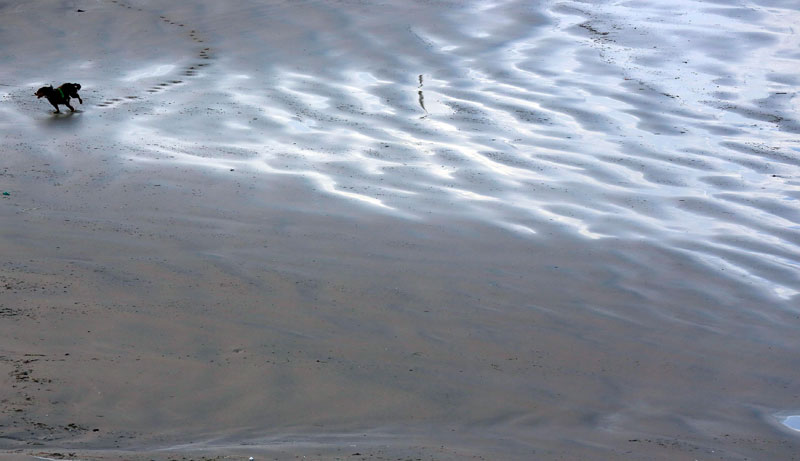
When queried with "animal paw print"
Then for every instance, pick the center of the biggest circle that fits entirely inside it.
(115, 101)
(163, 86)
(125, 5)
(171, 22)
(192, 70)
(203, 55)
(193, 35)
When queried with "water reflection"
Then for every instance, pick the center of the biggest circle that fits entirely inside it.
(65, 120)
(421, 98)
(149, 71)
(792, 422)
(570, 125)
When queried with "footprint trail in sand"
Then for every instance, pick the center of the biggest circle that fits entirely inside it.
(189, 71)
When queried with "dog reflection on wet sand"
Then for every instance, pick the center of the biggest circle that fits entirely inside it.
(60, 95)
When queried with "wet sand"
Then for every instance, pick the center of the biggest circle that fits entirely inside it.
(489, 230)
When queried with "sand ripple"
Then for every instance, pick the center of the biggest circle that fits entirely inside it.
(560, 221)
(673, 125)
(609, 121)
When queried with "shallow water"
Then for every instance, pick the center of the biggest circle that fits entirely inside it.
(673, 125)
(649, 152)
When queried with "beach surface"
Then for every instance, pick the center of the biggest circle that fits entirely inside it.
(427, 230)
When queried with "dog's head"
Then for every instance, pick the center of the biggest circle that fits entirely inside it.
(77, 86)
(43, 91)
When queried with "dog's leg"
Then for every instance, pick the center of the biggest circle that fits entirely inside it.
(72, 109)
(57, 109)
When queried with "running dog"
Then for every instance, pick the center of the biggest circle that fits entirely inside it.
(60, 95)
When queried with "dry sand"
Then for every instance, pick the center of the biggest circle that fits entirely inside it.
(400, 230)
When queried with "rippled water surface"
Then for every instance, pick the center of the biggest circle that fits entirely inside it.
(630, 119)
(664, 133)
(677, 125)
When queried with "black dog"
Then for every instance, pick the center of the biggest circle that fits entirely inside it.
(60, 95)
